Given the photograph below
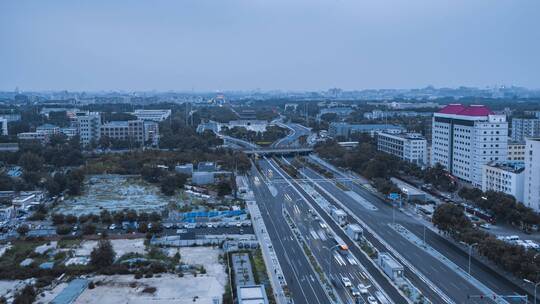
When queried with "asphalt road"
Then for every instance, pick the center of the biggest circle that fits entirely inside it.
(301, 278)
(319, 236)
(439, 273)
(297, 130)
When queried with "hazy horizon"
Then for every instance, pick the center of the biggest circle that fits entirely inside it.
(279, 45)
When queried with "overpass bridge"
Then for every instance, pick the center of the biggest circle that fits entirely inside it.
(279, 151)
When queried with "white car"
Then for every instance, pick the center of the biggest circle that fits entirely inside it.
(485, 226)
(363, 288)
(346, 282)
(372, 300)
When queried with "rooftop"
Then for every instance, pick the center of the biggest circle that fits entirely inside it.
(509, 166)
(472, 110)
(116, 124)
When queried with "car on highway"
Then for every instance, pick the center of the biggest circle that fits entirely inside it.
(485, 226)
(346, 282)
(363, 288)
(355, 291)
(372, 300)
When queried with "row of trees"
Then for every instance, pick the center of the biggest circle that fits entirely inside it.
(378, 166)
(451, 219)
(503, 206)
(267, 137)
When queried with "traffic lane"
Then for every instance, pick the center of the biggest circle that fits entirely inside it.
(334, 266)
(449, 282)
(479, 270)
(297, 269)
(381, 280)
(294, 271)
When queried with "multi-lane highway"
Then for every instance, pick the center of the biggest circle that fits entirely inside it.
(321, 238)
(442, 274)
(302, 282)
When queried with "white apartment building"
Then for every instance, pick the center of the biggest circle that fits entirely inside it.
(504, 176)
(465, 138)
(153, 115)
(89, 124)
(3, 126)
(525, 127)
(516, 151)
(532, 174)
(411, 147)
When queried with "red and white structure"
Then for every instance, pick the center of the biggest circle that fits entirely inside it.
(465, 138)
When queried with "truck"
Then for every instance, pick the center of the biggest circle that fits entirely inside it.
(354, 231)
(339, 216)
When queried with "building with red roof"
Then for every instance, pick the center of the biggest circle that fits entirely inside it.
(466, 137)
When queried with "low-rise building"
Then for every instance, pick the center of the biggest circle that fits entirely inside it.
(207, 166)
(152, 115)
(124, 130)
(203, 178)
(254, 294)
(69, 132)
(48, 129)
(186, 169)
(504, 176)
(411, 147)
(42, 137)
(9, 147)
(343, 129)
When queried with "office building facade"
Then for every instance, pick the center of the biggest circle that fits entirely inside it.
(532, 174)
(525, 127)
(465, 138)
(89, 126)
(504, 176)
(411, 147)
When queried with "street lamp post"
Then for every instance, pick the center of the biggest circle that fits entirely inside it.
(535, 285)
(470, 253)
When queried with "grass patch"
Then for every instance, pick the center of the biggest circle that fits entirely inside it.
(260, 274)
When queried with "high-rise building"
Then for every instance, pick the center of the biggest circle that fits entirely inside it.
(532, 173)
(89, 125)
(411, 147)
(525, 127)
(465, 138)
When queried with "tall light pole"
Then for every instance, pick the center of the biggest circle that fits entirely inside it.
(535, 285)
(470, 252)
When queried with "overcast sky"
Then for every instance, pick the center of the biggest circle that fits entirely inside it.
(270, 44)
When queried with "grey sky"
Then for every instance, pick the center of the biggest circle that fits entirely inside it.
(311, 44)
